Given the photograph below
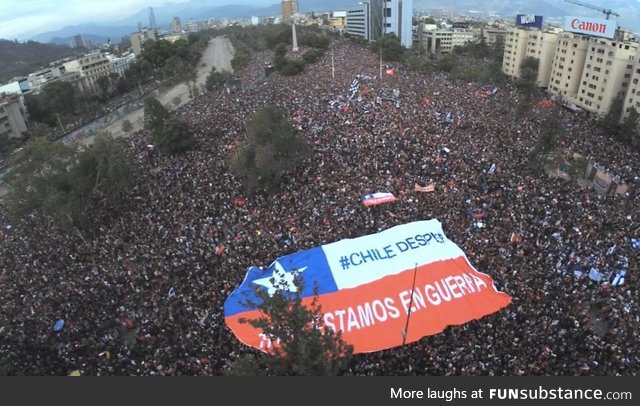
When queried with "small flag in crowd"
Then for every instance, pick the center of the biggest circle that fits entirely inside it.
(516, 238)
(219, 249)
(492, 169)
(390, 72)
(618, 278)
(449, 118)
(59, 325)
(635, 244)
(595, 275)
(429, 188)
(374, 199)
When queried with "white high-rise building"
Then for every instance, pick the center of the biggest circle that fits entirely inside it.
(397, 19)
(372, 19)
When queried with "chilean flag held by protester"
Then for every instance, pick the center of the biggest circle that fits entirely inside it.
(375, 199)
(381, 290)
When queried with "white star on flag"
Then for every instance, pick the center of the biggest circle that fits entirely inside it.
(279, 278)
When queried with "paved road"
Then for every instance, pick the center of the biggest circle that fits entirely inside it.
(218, 53)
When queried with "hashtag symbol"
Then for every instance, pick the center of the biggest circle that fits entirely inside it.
(344, 262)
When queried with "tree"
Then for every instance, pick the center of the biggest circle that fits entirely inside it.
(155, 114)
(497, 50)
(293, 67)
(103, 170)
(174, 137)
(62, 183)
(280, 49)
(272, 148)
(447, 63)
(126, 126)
(195, 90)
(390, 46)
(104, 83)
(551, 130)
(311, 56)
(178, 69)
(305, 345)
(630, 130)
(59, 97)
(241, 58)
(216, 78)
(529, 75)
(611, 122)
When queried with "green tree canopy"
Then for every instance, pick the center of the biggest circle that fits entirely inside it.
(392, 49)
(174, 137)
(272, 148)
(447, 63)
(127, 126)
(155, 114)
(551, 131)
(62, 182)
(529, 75)
(216, 78)
(630, 129)
(611, 122)
(293, 67)
(305, 346)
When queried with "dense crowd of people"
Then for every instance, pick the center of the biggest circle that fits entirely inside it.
(145, 296)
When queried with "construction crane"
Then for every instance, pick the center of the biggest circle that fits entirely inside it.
(602, 10)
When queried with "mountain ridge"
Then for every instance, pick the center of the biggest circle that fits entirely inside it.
(199, 10)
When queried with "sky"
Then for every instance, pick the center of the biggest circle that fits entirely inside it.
(22, 19)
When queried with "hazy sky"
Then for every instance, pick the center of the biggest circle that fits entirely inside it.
(24, 18)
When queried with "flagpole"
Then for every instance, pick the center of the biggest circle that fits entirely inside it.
(413, 287)
(333, 67)
(380, 63)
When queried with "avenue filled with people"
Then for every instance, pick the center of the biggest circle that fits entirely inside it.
(145, 294)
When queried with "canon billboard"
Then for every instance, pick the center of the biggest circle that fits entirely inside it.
(529, 20)
(591, 26)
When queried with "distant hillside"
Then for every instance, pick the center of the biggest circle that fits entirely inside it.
(20, 59)
(88, 29)
(95, 40)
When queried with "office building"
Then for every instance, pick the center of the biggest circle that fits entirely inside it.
(13, 116)
(176, 26)
(289, 9)
(443, 41)
(90, 67)
(522, 42)
(138, 38)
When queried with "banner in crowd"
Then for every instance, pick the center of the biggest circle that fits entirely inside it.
(425, 189)
(374, 199)
(380, 290)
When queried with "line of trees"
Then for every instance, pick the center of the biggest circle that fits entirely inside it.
(66, 184)
(625, 130)
(170, 135)
(277, 38)
(61, 103)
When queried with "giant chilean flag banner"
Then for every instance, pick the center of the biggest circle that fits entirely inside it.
(365, 287)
